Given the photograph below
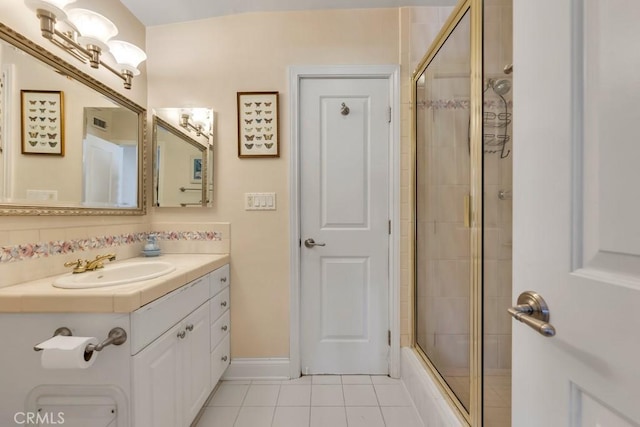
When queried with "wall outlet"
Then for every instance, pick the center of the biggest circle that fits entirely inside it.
(260, 201)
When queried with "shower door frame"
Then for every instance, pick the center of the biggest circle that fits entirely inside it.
(474, 416)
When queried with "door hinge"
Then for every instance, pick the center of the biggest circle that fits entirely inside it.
(389, 338)
(389, 227)
(389, 117)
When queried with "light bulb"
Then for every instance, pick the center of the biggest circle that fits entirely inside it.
(55, 7)
(127, 55)
(94, 28)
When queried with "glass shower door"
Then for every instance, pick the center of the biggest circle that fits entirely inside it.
(442, 251)
(497, 112)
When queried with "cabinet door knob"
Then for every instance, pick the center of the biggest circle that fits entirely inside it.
(189, 327)
(224, 358)
(223, 279)
(182, 334)
(223, 303)
(225, 327)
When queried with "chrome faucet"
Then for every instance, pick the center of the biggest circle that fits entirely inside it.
(80, 266)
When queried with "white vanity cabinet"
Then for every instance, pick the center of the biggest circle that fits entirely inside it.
(196, 366)
(220, 323)
(173, 373)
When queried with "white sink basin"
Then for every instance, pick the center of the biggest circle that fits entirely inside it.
(112, 275)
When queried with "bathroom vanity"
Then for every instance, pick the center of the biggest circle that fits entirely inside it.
(177, 347)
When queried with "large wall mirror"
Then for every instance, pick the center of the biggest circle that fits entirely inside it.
(69, 145)
(182, 157)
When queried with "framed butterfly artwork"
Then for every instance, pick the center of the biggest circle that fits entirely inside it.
(258, 125)
(42, 122)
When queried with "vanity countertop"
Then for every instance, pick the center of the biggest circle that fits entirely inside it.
(40, 296)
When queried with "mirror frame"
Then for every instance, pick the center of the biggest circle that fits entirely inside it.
(38, 52)
(186, 138)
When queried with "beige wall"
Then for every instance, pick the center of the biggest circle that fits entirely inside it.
(204, 64)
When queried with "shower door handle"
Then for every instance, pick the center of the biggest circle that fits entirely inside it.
(532, 310)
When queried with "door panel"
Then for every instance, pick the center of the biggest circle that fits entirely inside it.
(344, 298)
(344, 206)
(575, 212)
(196, 362)
(345, 164)
(157, 383)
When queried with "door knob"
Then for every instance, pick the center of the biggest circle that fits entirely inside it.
(311, 243)
(532, 310)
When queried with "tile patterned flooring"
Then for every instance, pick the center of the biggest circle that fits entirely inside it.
(497, 401)
(312, 401)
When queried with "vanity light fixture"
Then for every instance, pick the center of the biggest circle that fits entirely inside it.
(197, 125)
(88, 36)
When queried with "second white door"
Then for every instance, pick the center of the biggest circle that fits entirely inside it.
(344, 193)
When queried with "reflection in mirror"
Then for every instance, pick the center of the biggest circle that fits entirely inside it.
(85, 158)
(182, 157)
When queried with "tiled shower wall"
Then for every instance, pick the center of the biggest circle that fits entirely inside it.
(443, 242)
(497, 180)
(419, 27)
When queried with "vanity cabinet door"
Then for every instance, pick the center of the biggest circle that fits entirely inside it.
(157, 382)
(196, 366)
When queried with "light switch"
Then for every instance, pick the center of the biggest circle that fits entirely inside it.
(260, 201)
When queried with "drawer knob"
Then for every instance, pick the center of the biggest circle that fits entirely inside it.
(224, 358)
(224, 328)
(182, 334)
(189, 327)
(223, 279)
(223, 303)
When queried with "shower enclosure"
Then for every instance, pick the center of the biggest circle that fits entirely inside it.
(463, 151)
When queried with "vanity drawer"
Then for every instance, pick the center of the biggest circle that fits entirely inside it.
(220, 279)
(220, 358)
(219, 329)
(153, 319)
(219, 304)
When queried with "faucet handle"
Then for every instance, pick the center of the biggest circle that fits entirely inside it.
(79, 265)
(76, 263)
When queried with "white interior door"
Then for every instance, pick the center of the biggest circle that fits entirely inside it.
(344, 198)
(102, 171)
(576, 207)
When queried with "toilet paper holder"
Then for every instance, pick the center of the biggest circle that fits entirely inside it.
(117, 336)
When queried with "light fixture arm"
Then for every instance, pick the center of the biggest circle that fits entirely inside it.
(185, 123)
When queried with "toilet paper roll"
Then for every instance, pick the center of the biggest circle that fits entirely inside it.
(64, 352)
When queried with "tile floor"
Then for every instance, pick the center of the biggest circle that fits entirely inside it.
(497, 401)
(312, 401)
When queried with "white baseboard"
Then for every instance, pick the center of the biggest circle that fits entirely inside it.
(432, 406)
(257, 369)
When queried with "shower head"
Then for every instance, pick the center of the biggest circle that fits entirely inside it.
(501, 87)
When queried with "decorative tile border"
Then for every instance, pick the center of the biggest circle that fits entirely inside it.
(460, 104)
(60, 247)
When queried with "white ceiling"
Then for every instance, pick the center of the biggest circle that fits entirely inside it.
(158, 12)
